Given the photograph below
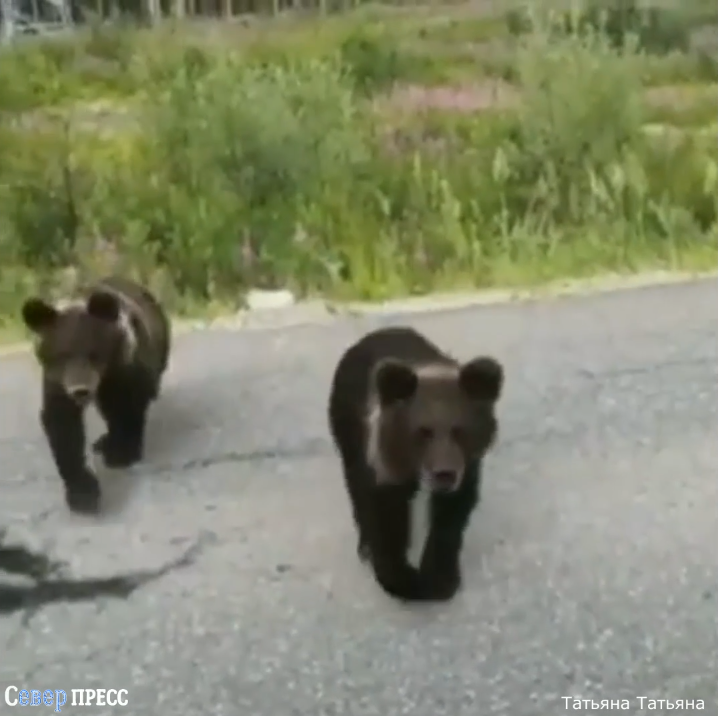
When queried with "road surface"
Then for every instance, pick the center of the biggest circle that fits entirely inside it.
(591, 568)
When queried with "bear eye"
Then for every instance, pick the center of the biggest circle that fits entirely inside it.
(56, 355)
(425, 433)
(458, 433)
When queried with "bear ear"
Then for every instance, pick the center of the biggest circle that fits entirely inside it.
(482, 379)
(394, 381)
(104, 306)
(38, 315)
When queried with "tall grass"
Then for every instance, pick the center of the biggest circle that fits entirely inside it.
(252, 172)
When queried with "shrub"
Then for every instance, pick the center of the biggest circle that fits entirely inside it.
(235, 160)
(565, 147)
(374, 61)
(280, 171)
(37, 200)
(658, 30)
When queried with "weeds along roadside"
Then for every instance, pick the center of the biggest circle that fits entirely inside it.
(365, 164)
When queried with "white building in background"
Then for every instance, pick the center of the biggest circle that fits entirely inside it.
(33, 17)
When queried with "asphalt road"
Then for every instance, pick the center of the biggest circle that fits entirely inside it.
(591, 568)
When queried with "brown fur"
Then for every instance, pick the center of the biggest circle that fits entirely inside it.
(111, 348)
(436, 428)
(401, 411)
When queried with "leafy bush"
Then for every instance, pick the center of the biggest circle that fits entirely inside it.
(281, 172)
(566, 150)
(658, 30)
(235, 160)
(374, 61)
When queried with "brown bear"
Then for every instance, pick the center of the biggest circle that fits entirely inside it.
(402, 412)
(111, 348)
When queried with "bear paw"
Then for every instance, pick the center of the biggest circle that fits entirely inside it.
(117, 453)
(403, 582)
(445, 583)
(84, 497)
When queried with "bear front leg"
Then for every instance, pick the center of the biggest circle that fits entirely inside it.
(449, 517)
(355, 478)
(389, 544)
(123, 404)
(63, 424)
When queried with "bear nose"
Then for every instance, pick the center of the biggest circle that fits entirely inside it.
(445, 478)
(81, 394)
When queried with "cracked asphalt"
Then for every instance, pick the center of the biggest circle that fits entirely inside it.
(591, 567)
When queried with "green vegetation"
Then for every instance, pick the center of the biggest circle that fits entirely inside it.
(367, 155)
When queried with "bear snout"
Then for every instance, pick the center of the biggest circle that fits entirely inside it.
(81, 394)
(445, 480)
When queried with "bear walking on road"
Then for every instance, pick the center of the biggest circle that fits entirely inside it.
(112, 348)
(400, 412)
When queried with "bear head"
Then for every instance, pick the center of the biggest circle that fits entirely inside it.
(431, 421)
(78, 344)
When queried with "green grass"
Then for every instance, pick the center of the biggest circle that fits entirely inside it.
(687, 106)
(266, 160)
(428, 46)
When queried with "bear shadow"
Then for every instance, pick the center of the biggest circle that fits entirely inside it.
(172, 421)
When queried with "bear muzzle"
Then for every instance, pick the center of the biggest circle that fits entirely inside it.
(444, 480)
(80, 385)
(81, 394)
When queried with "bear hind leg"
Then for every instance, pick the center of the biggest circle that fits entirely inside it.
(124, 407)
